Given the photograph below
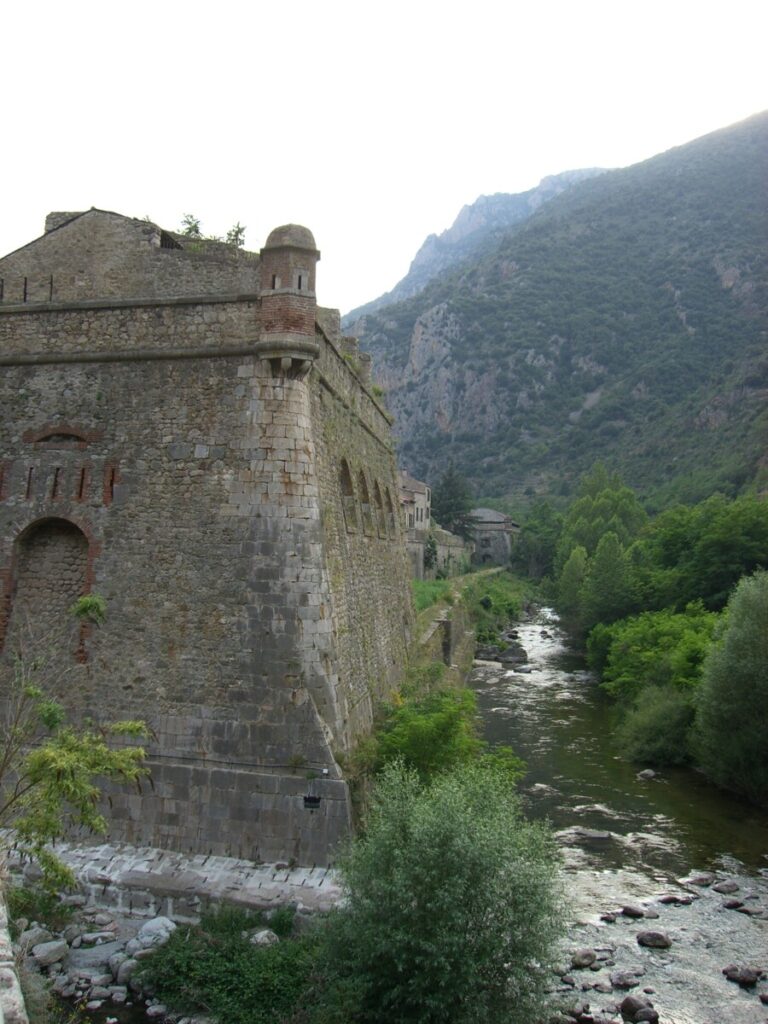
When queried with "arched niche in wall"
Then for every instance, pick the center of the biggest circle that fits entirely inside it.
(348, 501)
(365, 504)
(391, 515)
(381, 518)
(50, 574)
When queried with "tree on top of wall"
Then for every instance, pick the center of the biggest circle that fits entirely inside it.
(190, 226)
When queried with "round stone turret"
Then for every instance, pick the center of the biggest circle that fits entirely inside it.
(288, 303)
(292, 235)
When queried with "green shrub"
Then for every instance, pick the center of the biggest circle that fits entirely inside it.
(652, 649)
(656, 730)
(453, 906)
(37, 903)
(221, 973)
(437, 733)
(732, 712)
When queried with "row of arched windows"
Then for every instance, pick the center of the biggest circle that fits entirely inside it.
(367, 508)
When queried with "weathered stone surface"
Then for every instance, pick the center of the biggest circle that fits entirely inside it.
(583, 958)
(155, 932)
(246, 493)
(50, 952)
(654, 939)
(34, 937)
(125, 971)
(633, 910)
(745, 976)
(632, 1005)
(13, 1009)
(725, 887)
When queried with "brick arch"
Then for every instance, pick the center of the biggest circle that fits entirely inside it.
(57, 434)
(51, 566)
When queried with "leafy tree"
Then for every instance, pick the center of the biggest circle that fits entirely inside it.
(607, 591)
(732, 712)
(452, 502)
(236, 235)
(731, 542)
(49, 769)
(190, 226)
(453, 905)
(571, 587)
(605, 505)
(701, 551)
(537, 542)
(654, 649)
(656, 730)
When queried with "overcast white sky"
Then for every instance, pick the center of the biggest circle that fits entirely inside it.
(372, 124)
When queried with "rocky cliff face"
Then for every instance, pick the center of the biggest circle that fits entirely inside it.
(625, 320)
(476, 223)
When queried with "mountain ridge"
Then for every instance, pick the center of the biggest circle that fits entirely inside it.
(626, 319)
(488, 216)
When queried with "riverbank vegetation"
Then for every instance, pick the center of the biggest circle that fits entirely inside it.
(654, 601)
(453, 903)
(452, 913)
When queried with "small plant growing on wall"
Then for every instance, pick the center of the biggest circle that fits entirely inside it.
(50, 769)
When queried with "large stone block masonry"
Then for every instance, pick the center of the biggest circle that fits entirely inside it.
(182, 435)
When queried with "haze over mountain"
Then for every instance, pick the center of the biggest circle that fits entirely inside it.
(475, 227)
(626, 319)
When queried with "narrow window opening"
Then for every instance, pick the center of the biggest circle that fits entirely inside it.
(81, 485)
(55, 484)
(2, 480)
(112, 482)
(2, 288)
(300, 281)
(50, 289)
(25, 290)
(274, 281)
(30, 477)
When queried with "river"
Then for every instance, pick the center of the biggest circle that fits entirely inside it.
(626, 838)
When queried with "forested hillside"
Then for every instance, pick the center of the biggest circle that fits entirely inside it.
(626, 320)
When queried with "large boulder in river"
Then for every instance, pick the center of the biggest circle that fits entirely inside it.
(654, 940)
(583, 958)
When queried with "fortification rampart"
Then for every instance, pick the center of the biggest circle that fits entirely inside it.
(98, 253)
(234, 504)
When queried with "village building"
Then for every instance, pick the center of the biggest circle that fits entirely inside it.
(493, 533)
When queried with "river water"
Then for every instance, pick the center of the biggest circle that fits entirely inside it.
(628, 839)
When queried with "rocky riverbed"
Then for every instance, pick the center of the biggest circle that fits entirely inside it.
(646, 929)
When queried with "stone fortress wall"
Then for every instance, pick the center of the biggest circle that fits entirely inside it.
(203, 451)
